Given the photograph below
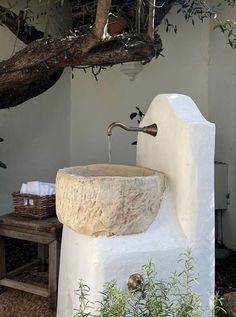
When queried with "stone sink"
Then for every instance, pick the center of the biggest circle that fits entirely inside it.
(107, 199)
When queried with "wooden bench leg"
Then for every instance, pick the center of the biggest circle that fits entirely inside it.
(42, 255)
(2, 258)
(53, 272)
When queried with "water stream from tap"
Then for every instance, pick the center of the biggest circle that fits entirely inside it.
(109, 148)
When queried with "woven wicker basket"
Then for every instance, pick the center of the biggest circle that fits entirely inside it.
(33, 206)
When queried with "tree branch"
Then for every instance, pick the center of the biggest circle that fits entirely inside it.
(162, 11)
(103, 7)
(14, 96)
(139, 48)
(124, 49)
(18, 26)
(32, 71)
(151, 18)
(40, 56)
(38, 66)
(98, 32)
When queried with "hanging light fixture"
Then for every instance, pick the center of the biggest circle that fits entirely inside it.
(131, 69)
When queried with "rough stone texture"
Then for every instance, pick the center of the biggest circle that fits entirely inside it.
(230, 304)
(104, 199)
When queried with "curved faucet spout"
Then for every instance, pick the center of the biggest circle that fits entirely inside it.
(151, 129)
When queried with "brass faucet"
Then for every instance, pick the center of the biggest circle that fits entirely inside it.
(150, 129)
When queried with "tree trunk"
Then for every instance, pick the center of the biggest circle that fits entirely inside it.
(39, 65)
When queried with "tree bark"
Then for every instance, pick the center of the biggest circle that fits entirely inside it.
(37, 78)
(138, 49)
(151, 18)
(14, 96)
(39, 56)
(39, 65)
(19, 26)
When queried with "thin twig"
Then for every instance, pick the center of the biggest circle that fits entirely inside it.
(138, 15)
(151, 18)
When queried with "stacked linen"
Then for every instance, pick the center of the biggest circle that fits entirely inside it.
(38, 188)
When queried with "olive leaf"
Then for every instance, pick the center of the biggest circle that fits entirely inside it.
(2, 165)
(133, 115)
(138, 115)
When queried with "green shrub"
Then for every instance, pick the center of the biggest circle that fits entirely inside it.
(155, 298)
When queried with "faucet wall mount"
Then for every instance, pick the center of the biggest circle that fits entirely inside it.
(150, 129)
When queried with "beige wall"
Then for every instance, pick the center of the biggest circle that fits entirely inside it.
(222, 111)
(36, 134)
(96, 104)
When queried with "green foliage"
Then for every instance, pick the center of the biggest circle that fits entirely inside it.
(200, 9)
(1, 163)
(138, 114)
(228, 27)
(84, 303)
(218, 306)
(156, 298)
(115, 301)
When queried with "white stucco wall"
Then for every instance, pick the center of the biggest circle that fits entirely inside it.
(94, 105)
(197, 63)
(222, 111)
(184, 151)
(36, 134)
(66, 125)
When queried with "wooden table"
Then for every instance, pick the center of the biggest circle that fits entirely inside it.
(47, 233)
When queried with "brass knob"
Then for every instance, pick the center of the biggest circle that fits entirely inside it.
(135, 282)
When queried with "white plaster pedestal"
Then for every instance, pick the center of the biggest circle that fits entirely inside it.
(184, 151)
(97, 260)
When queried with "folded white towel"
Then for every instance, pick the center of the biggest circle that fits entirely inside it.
(38, 188)
(33, 188)
(23, 189)
(43, 190)
(52, 189)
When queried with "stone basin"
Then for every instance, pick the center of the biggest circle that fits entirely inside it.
(107, 199)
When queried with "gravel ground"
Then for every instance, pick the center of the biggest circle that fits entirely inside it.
(226, 274)
(15, 303)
